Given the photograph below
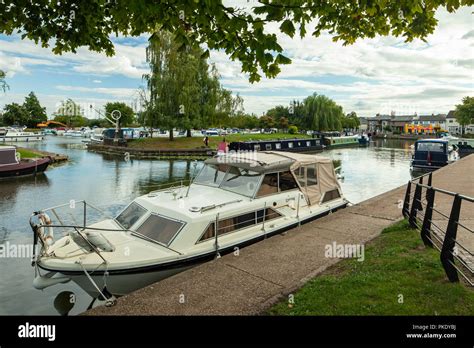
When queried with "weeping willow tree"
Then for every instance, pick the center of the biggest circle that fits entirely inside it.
(3, 84)
(322, 113)
(184, 91)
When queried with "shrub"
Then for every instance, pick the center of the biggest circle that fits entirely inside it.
(292, 129)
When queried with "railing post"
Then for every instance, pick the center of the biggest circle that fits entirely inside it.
(216, 229)
(447, 251)
(85, 216)
(430, 178)
(415, 205)
(425, 230)
(406, 202)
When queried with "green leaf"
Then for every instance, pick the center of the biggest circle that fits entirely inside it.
(288, 28)
(281, 59)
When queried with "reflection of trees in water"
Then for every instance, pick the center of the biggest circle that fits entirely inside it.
(176, 171)
(9, 187)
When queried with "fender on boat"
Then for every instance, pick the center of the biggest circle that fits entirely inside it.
(47, 280)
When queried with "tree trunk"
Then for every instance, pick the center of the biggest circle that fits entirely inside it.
(171, 134)
(188, 133)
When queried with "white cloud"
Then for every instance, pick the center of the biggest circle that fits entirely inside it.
(116, 92)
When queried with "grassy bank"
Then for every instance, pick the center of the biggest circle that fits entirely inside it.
(396, 263)
(26, 153)
(196, 142)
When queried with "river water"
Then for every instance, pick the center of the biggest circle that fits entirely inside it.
(112, 182)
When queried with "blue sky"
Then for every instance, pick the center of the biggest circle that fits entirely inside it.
(372, 76)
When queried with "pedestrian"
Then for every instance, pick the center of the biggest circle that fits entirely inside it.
(223, 147)
(206, 141)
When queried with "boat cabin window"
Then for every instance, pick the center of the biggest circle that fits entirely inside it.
(160, 229)
(238, 222)
(430, 146)
(287, 181)
(211, 174)
(130, 215)
(278, 146)
(269, 185)
(242, 181)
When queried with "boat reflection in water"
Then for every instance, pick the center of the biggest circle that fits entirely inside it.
(235, 200)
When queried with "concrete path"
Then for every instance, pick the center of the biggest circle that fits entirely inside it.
(263, 273)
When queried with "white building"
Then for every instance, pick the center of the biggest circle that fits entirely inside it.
(453, 127)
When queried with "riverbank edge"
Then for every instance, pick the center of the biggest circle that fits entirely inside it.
(143, 153)
(239, 285)
(54, 157)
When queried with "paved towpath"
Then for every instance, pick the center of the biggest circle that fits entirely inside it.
(263, 273)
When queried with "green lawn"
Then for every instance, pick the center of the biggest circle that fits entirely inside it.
(396, 263)
(28, 154)
(25, 153)
(196, 142)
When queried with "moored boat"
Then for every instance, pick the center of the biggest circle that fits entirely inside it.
(290, 145)
(11, 165)
(432, 154)
(235, 200)
(12, 135)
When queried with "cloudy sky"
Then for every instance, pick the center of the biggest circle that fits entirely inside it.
(372, 76)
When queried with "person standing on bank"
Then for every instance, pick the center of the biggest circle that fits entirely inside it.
(223, 147)
(206, 141)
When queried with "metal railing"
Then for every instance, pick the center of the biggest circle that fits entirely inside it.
(420, 205)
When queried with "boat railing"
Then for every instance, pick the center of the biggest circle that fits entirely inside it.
(77, 217)
(443, 224)
(170, 186)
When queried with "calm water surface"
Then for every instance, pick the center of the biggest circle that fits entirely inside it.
(111, 182)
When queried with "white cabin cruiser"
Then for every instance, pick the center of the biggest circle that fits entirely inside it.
(12, 135)
(245, 197)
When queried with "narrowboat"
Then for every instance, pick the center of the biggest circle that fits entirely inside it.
(11, 165)
(290, 145)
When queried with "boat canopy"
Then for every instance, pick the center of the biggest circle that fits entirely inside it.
(8, 155)
(314, 174)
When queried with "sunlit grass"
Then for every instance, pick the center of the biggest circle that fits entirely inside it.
(398, 277)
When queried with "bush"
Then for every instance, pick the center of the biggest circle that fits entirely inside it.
(292, 129)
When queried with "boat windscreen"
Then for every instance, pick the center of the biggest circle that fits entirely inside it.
(211, 174)
(430, 146)
(160, 229)
(130, 215)
(242, 181)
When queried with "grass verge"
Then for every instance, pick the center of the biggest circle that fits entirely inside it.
(398, 277)
(197, 142)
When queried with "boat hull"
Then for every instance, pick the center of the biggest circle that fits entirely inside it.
(123, 281)
(24, 168)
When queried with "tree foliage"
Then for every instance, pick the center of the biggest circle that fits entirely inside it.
(239, 32)
(36, 113)
(29, 114)
(15, 114)
(184, 91)
(127, 116)
(464, 112)
(3, 83)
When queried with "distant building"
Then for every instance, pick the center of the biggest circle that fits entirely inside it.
(397, 122)
(453, 127)
(436, 121)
